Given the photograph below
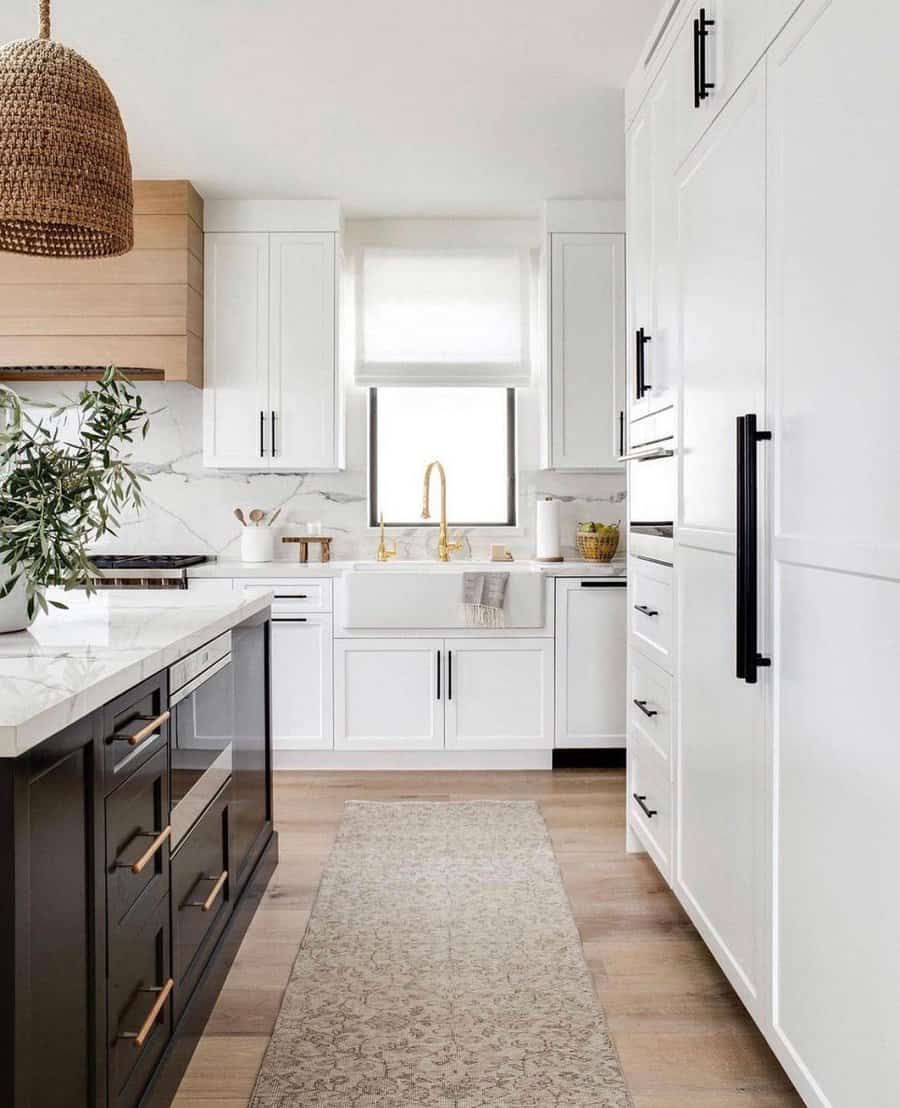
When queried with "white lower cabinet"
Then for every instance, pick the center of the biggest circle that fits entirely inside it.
(302, 682)
(499, 694)
(428, 694)
(386, 694)
(590, 663)
(721, 777)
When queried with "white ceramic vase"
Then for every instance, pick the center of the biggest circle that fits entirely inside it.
(13, 608)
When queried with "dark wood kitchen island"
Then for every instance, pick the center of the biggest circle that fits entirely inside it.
(124, 890)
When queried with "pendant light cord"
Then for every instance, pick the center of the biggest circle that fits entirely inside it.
(45, 19)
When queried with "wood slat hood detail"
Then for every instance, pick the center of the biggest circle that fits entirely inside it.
(62, 319)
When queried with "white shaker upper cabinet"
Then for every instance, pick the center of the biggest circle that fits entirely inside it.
(587, 350)
(721, 787)
(639, 207)
(271, 395)
(834, 336)
(719, 44)
(652, 346)
(302, 357)
(236, 376)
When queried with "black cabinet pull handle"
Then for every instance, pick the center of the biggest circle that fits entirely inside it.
(747, 657)
(439, 675)
(648, 712)
(644, 610)
(289, 619)
(449, 674)
(697, 97)
(702, 87)
(262, 434)
(273, 434)
(289, 596)
(621, 433)
(648, 812)
(640, 341)
(618, 583)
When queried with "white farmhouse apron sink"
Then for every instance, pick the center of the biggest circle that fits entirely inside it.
(414, 596)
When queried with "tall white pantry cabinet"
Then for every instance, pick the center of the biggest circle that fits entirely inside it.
(764, 234)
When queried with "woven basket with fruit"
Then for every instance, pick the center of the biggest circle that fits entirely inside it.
(597, 542)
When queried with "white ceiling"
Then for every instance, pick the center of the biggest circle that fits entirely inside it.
(396, 107)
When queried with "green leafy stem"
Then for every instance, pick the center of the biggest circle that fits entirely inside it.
(57, 497)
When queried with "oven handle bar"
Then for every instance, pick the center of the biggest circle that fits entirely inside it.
(192, 686)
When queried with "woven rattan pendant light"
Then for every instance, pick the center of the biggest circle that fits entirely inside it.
(65, 173)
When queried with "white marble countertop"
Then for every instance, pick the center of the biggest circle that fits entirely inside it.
(616, 568)
(70, 663)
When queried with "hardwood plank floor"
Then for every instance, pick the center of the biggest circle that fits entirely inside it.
(683, 1038)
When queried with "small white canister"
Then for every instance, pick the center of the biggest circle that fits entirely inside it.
(257, 544)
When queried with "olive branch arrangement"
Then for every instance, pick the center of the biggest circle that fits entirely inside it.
(58, 497)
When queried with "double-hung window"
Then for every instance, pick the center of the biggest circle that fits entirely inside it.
(442, 342)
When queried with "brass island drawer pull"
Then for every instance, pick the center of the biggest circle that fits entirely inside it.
(206, 905)
(159, 837)
(135, 738)
(162, 991)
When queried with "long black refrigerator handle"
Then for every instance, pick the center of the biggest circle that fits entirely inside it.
(749, 660)
(740, 557)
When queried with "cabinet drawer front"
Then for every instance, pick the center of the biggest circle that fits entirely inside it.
(135, 726)
(650, 803)
(650, 700)
(201, 893)
(291, 594)
(137, 817)
(650, 612)
(140, 984)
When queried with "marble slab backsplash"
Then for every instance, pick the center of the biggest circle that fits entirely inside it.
(189, 508)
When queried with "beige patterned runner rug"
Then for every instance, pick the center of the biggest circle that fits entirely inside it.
(441, 968)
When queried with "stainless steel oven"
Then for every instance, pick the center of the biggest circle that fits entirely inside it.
(652, 487)
(202, 727)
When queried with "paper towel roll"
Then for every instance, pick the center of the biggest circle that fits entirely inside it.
(548, 542)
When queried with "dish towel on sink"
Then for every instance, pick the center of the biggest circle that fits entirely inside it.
(483, 596)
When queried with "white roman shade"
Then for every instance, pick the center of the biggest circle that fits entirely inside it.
(443, 316)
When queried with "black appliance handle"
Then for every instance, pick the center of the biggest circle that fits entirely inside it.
(697, 95)
(262, 434)
(648, 812)
(747, 657)
(640, 341)
(648, 712)
(701, 33)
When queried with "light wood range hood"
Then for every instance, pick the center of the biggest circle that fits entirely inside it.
(63, 319)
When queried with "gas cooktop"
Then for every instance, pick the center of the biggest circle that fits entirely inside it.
(147, 561)
(143, 571)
